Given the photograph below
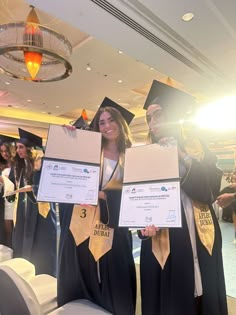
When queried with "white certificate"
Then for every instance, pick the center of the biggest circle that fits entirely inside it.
(68, 182)
(151, 188)
(155, 203)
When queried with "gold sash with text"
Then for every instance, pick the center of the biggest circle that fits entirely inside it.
(101, 237)
(204, 225)
(82, 222)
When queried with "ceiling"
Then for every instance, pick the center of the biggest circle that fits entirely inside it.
(196, 56)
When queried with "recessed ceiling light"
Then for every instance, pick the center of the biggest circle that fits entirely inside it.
(151, 68)
(119, 81)
(7, 83)
(29, 101)
(43, 112)
(88, 68)
(187, 17)
(120, 52)
(57, 106)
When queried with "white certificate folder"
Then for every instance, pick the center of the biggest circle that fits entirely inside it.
(151, 187)
(71, 166)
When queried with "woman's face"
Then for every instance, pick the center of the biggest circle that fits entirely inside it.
(108, 127)
(156, 121)
(5, 153)
(21, 150)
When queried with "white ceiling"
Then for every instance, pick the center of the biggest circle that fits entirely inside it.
(199, 57)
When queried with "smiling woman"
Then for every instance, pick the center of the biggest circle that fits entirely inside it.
(95, 256)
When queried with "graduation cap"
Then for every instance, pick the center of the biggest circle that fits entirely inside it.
(29, 139)
(173, 101)
(127, 115)
(81, 123)
(6, 139)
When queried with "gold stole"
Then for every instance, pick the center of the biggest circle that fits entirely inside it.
(44, 208)
(15, 209)
(101, 237)
(81, 222)
(204, 225)
(202, 214)
(85, 222)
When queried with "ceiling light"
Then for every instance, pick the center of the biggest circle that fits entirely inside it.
(57, 106)
(120, 52)
(151, 68)
(7, 83)
(88, 68)
(44, 52)
(29, 101)
(187, 17)
(119, 81)
(219, 115)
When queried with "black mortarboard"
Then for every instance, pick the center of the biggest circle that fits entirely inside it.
(6, 139)
(29, 139)
(172, 100)
(80, 123)
(127, 115)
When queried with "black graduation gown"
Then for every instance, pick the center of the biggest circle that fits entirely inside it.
(34, 237)
(171, 291)
(78, 273)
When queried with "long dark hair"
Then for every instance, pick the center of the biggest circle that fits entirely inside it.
(124, 140)
(11, 151)
(23, 168)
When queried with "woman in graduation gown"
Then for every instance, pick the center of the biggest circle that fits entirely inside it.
(181, 268)
(34, 233)
(7, 152)
(103, 273)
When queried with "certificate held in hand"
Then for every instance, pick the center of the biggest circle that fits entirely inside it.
(151, 187)
(71, 167)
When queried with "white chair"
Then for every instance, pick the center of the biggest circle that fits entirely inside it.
(37, 297)
(16, 295)
(21, 266)
(83, 307)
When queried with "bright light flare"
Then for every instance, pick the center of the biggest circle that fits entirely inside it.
(219, 115)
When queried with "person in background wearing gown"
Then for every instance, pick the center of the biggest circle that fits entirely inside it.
(181, 269)
(227, 200)
(7, 151)
(34, 233)
(106, 277)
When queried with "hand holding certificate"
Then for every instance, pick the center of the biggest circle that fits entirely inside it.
(151, 188)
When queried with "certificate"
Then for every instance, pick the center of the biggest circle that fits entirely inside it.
(151, 203)
(68, 182)
(151, 187)
(71, 167)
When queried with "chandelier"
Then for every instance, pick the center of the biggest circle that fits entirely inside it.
(30, 51)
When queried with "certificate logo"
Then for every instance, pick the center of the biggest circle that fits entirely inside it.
(133, 191)
(86, 171)
(163, 188)
(55, 167)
